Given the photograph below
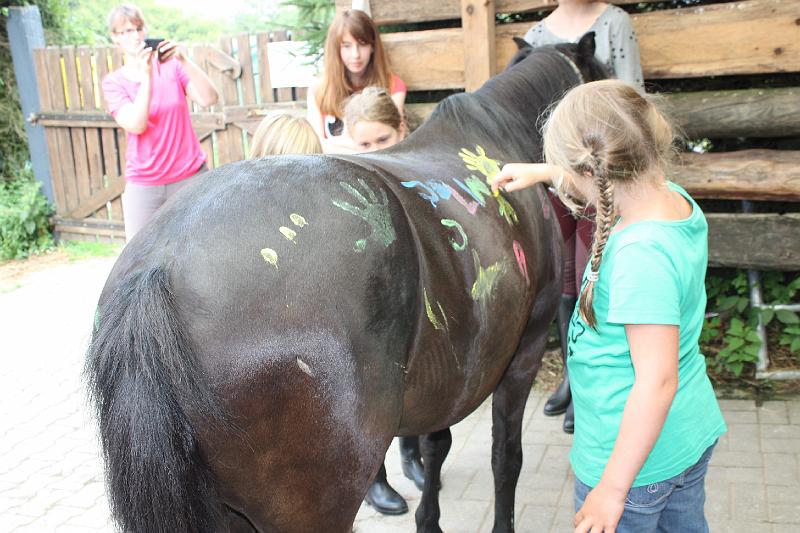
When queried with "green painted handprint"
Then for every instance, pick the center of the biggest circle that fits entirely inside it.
(374, 211)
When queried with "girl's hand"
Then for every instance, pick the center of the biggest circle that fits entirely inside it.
(516, 176)
(142, 63)
(168, 49)
(600, 512)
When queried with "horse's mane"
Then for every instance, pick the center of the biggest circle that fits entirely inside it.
(509, 104)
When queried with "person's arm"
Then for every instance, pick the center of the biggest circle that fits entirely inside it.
(200, 88)
(516, 176)
(399, 100)
(132, 116)
(398, 92)
(654, 352)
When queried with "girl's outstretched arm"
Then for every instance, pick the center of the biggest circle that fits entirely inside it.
(516, 176)
(654, 352)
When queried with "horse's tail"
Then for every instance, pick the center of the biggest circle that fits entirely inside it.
(143, 378)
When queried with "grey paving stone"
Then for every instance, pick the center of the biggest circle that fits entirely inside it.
(781, 469)
(728, 458)
(774, 445)
(749, 502)
(785, 513)
(737, 405)
(773, 413)
(535, 518)
(793, 408)
(779, 431)
(741, 417)
(743, 438)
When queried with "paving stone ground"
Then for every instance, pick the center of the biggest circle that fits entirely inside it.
(50, 470)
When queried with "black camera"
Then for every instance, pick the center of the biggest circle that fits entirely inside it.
(153, 43)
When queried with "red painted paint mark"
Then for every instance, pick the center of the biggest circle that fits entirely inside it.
(470, 206)
(521, 262)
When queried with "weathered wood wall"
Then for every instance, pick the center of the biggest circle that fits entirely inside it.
(751, 37)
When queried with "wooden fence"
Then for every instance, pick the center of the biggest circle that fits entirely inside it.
(752, 37)
(87, 149)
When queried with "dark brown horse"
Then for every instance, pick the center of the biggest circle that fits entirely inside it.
(259, 344)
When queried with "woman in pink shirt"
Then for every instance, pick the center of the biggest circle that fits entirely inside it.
(147, 97)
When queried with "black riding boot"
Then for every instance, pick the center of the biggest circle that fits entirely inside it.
(411, 460)
(569, 420)
(383, 497)
(560, 399)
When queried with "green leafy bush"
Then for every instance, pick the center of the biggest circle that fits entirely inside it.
(24, 219)
(729, 337)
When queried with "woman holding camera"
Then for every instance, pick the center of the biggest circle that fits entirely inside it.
(147, 98)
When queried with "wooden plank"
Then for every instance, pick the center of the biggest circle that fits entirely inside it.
(42, 79)
(264, 81)
(62, 164)
(745, 174)
(101, 66)
(86, 78)
(46, 85)
(81, 158)
(90, 204)
(95, 158)
(110, 155)
(738, 113)
(284, 93)
(95, 119)
(57, 92)
(247, 80)
(426, 60)
(477, 22)
(751, 37)
(757, 241)
(115, 210)
(408, 11)
(230, 147)
(207, 145)
(72, 83)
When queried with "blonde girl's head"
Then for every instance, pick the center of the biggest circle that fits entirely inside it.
(336, 85)
(373, 120)
(283, 134)
(606, 136)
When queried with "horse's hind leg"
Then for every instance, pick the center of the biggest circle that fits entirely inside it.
(434, 447)
(508, 406)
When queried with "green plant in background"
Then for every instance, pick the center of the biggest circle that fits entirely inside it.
(729, 337)
(24, 219)
(312, 18)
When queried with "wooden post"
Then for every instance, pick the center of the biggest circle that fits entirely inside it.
(24, 34)
(477, 21)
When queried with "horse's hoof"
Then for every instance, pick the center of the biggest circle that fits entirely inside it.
(384, 499)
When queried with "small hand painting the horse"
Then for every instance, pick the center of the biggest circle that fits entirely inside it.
(259, 344)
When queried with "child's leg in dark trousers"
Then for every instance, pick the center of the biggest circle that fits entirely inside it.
(560, 400)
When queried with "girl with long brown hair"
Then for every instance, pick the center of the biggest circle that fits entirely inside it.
(354, 59)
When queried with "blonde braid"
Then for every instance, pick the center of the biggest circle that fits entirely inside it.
(603, 222)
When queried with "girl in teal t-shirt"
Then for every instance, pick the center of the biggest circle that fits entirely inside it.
(646, 417)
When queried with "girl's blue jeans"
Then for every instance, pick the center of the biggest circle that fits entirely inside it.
(674, 505)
